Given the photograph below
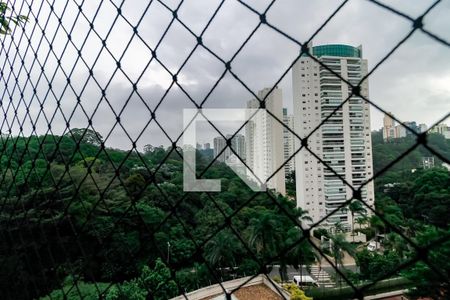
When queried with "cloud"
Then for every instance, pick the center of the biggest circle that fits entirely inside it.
(412, 83)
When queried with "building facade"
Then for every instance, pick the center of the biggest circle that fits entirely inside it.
(288, 142)
(219, 144)
(343, 141)
(389, 130)
(442, 129)
(423, 127)
(237, 143)
(264, 140)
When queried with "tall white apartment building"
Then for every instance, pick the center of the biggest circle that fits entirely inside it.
(264, 140)
(288, 142)
(343, 141)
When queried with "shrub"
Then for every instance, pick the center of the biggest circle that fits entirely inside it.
(277, 279)
(296, 292)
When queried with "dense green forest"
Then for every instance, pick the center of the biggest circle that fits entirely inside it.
(77, 218)
(386, 152)
(75, 212)
(415, 203)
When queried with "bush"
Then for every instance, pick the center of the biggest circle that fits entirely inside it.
(296, 292)
(277, 279)
(85, 290)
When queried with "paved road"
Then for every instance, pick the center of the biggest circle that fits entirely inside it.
(291, 271)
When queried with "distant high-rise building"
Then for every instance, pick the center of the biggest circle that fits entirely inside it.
(423, 128)
(207, 151)
(400, 132)
(413, 126)
(264, 140)
(343, 141)
(288, 141)
(388, 121)
(389, 130)
(392, 130)
(219, 144)
(441, 129)
(237, 143)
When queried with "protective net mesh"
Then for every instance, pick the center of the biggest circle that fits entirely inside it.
(82, 220)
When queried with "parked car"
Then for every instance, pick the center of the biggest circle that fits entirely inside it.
(304, 281)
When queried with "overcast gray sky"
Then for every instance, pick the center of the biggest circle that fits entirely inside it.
(413, 84)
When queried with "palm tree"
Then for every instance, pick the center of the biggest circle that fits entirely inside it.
(296, 212)
(300, 254)
(377, 224)
(356, 207)
(339, 227)
(264, 233)
(222, 250)
(340, 246)
(362, 220)
(302, 215)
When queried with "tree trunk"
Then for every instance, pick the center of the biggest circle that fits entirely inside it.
(353, 227)
(301, 270)
(283, 271)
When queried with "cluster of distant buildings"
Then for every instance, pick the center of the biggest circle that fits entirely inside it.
(392, 130)
(442, 129)
(266, 145)
(336, 147)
